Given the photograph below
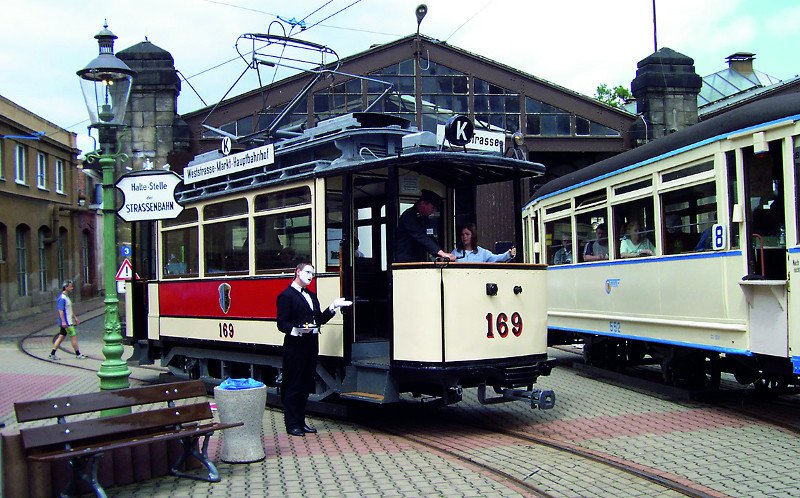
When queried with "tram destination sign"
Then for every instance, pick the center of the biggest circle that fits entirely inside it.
(149, 195)
(241, 161)
(478, 140)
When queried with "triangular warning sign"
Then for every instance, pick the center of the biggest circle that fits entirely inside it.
(125, 271)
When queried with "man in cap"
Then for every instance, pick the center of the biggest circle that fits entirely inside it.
(414, 233)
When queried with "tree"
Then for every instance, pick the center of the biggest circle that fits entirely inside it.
(615, 97)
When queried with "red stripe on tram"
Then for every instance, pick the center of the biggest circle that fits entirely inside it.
(250, 299)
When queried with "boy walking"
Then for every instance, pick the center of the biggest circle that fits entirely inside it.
(67, 321)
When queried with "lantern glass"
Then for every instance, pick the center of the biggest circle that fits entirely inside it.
(106, 94)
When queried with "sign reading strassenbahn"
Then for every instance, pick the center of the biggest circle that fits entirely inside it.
(149, 196)
(241, 161)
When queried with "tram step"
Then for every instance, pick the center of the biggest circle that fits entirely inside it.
(380, 363)
(362, 396)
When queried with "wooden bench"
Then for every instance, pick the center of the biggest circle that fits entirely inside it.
(83, 441)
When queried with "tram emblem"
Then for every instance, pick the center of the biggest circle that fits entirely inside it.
(224, 297)
(611, 283)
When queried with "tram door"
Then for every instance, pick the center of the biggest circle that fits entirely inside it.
(764, 192)
(370, 269)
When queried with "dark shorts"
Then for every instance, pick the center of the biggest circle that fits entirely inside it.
(70, 331)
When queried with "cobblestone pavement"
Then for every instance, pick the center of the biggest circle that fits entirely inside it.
(710, 446)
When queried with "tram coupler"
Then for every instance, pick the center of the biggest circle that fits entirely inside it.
(542, 399)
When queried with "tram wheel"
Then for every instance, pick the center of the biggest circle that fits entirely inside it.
(635, 352)
(770, 385)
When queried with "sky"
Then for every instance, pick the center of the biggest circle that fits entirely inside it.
(576, 44)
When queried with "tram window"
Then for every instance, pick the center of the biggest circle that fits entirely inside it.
(633, 187)
(687, 217)
(283, 240)
(592, 232)
(590, 199)
(558, 241)
(226, 248)
(733, 197)
(633, 228)
(188, 215)
(180, 252)
(796, 156)
(223, 209)
(333, 222)
(684, 172)
(283, 198)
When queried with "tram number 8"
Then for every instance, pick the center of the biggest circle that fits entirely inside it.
(226, 330)
(501, 323)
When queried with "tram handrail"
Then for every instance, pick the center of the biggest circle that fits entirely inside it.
(761, 253)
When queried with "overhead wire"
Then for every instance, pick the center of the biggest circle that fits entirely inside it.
(470, 18)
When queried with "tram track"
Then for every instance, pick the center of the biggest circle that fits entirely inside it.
(23, 347)
(535, 464)
(749, 402)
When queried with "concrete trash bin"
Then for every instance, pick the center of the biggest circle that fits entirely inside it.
(242, 444)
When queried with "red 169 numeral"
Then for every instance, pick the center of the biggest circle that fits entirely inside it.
(501, 323)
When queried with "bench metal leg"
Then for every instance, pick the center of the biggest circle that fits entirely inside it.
(190, 449)
(79, 473)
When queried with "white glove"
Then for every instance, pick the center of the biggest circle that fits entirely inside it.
(339, 302)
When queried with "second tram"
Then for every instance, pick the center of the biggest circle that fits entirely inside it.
(682, 252)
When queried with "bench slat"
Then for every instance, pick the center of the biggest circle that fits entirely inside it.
(132, 441)
(105, 400)
(129, 425)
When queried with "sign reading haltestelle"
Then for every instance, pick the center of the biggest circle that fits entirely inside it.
(149, 196)
(241, 161)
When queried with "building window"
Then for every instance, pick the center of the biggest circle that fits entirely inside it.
(41, 170)
(20, 160)
(86, 257)
(402, 100)
(42, 259)
(545, 119)
(445, 92)
(496, 108)
(338, 99)
(2, 243)
(298, 117)
(22, 260)
(59, 176)
(2, 165)
(60, 243)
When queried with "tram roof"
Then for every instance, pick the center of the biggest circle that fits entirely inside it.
(760, 113)
(362, 142)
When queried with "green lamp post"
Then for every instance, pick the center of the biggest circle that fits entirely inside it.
(106, 84)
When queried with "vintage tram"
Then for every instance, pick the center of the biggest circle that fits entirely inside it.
(711, 213)
(332, 195)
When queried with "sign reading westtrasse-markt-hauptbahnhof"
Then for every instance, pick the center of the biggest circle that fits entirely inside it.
(253, 158)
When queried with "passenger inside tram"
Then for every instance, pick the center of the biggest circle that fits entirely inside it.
(564, 255)
(634, 244)
(597, 249)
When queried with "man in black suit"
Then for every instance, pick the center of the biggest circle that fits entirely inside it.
(299, 318)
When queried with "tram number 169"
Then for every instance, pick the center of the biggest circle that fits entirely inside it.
(501, 324)
(226, 330)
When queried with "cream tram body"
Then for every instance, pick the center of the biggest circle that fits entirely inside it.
(424, 328)
(718, 202)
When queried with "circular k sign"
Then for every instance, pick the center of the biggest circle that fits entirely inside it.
(227, 144)
(459, 130)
